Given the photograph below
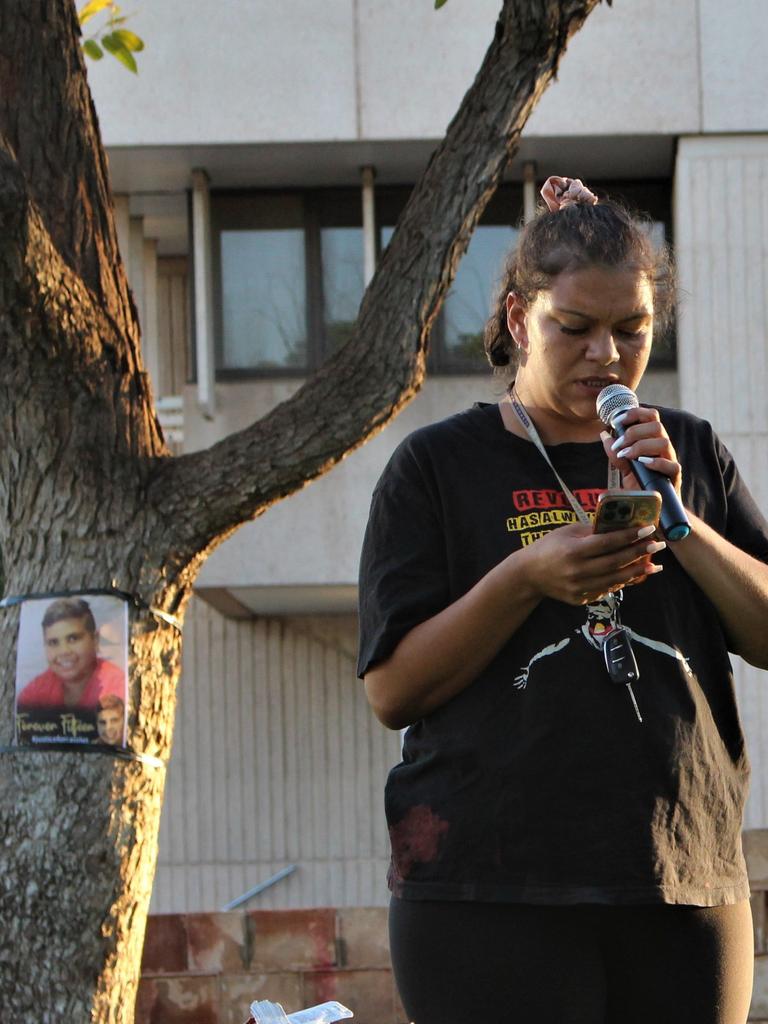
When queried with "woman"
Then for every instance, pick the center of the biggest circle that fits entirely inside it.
(553, 858)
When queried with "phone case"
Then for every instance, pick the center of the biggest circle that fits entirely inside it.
(620, 510)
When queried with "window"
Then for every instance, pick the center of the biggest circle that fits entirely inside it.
(260, 270)
(288, 275)
(472, 293)
(456, 342)
(339, 219)
(288, 278)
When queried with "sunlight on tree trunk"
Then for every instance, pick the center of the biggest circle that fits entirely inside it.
(91, 497)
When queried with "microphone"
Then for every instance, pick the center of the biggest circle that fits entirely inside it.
(611, 403)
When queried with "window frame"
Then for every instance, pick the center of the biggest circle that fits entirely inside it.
(331, 207)
(342, 207)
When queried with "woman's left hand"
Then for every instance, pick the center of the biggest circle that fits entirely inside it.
(644, 439)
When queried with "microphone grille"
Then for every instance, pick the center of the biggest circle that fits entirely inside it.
(615, 398)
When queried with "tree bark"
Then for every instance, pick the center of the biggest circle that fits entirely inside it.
(90, 497)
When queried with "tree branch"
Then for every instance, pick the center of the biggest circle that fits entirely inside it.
(365, 385)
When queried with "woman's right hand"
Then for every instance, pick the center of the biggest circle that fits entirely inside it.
(574, 565)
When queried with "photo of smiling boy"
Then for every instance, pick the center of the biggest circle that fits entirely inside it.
(76, 676)
(72, 683)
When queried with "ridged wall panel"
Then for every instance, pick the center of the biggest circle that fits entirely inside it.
(277, 760)
(172, 326)
(721, 235)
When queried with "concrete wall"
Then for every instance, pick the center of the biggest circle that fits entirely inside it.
(734, 72)
(721, 230)
(300, 71)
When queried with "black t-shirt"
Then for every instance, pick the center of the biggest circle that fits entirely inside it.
(537, 783)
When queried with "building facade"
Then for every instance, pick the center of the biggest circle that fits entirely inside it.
(260, 160)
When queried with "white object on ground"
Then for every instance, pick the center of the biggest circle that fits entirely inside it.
(265, 1012)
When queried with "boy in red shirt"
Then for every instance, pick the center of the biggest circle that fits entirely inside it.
(76, 676)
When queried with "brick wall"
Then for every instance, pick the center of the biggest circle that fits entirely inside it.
(208, 968)
(756, 852)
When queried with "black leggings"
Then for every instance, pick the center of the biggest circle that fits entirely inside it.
(492, 963)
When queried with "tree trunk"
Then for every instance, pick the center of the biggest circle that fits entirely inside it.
(90, 498)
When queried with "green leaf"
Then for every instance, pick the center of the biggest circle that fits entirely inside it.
(91, 8)
(92, 49)
(120, 52)
(129, 39)
(439, 4)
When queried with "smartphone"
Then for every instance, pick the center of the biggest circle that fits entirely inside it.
(620, 510)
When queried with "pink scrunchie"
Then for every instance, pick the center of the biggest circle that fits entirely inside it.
(558, 193)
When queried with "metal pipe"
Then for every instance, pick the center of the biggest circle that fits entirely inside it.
(201, 247)
(368, 175)
(260, 888)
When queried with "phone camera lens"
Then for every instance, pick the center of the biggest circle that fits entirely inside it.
(624, 510)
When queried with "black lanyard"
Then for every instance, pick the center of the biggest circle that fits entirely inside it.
(616, 645)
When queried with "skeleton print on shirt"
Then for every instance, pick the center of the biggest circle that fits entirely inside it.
(602, 619)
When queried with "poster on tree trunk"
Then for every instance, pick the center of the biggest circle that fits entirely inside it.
(71, 671)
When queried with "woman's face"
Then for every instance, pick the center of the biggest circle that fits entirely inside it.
(592, 328)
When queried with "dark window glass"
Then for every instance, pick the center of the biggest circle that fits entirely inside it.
(260, 273)
(263, 307)
(456, 343)
(474, 289)
(341, 253)
(288, 275)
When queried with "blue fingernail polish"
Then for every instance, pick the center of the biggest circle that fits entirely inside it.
(620, 418)
(644, 458)
(617, 443)
(624, 453)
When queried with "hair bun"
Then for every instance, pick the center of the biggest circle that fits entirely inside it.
(558, 193)
(497, 341)
(499, 355)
